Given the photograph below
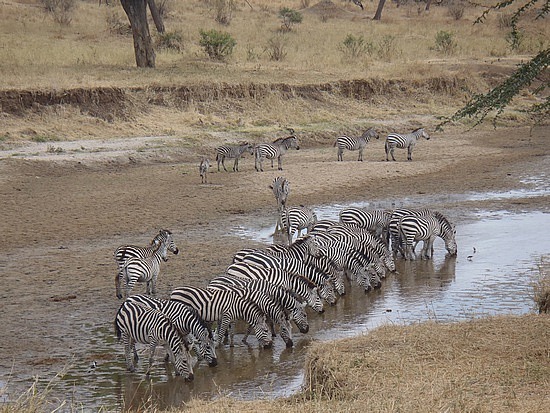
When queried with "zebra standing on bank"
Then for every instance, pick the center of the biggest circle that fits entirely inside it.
(141, 270)
(203, 170)
(137, 323)
(281, 190)
(376, 221)
(188, 322)
(296, 219)
(274, 150)
(164, 238)
(408, 141)
(224, 307)
(427, 229)
(232, 152)
(355, 144)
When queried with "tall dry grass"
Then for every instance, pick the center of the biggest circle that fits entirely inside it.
(37, 52)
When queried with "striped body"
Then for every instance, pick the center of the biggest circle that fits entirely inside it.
(291, 303)
(203, 170)
(297, 267)
(143, 270)
(164, 238)
(137, 323)
(224, 307)
(232, 152)
(395, 236)
(188, 322)
(376, 221)
(408, 141)
(274, 150)
(296, 219)
(355, 143)
(281, 190)
(303, 288)
(414, 228)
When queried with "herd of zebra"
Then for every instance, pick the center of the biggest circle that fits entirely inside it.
(280, 146)
(267, 288)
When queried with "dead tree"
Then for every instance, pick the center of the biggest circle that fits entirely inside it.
(136, 10)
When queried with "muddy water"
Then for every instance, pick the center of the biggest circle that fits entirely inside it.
(492, 279)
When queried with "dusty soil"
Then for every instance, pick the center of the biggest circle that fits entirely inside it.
(65, 211)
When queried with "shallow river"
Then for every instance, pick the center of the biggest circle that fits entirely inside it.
(495, 279)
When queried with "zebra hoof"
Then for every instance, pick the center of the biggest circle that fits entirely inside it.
(289, 344)
(119, 296)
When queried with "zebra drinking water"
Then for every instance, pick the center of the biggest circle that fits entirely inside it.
(281, 190)
(376, 221)
(414, 228)
(188, 322)
(395, 236)
(408, 141)
(274, 150)
(355, 144)
(224, 307)
(137, 323)
(144, 270)
(232, 152)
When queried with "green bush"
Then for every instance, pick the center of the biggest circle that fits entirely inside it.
(170, 40)
(445, 43)
(354, 47)
(289, 17)
(217, 45)
(276, 48)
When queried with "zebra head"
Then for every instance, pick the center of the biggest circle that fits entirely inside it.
(263, 334)
(286, 331)
(314, 301)
(169, 241)
(183, 363)
(370, 133)
(205, 350)
(326, 291)
(424, 134)
(299, 316)
(338, 280)
(450, 240)
(388, 260)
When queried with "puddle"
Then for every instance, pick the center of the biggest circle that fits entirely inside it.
(495, 279)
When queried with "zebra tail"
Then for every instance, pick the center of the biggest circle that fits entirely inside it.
(335, 143)
(118, 331)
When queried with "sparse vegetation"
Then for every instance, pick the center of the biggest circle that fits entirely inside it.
(217, 45)
(276, 47)
(354, 47)
(289, 18)
(541, 288)
(61, 10)
(445, 42)
(170, 41)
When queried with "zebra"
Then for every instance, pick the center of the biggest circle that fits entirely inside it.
(408, 141)
(164, 238)
(188, 321)
(358, 3)
(141, 270)
(395, 236)
(232, 152)
(224, 307)
(281, 190)
(296, 219)
(376, 221)
(274, 150)
(203, 170)
(297, 267)
(414, 228)
(355, 144)
(271, 308)
(293, 304)
(137, 323)
(305, 289)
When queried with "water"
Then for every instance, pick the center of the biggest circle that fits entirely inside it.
(497, 257)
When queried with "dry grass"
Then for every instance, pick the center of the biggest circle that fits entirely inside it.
(541, 288)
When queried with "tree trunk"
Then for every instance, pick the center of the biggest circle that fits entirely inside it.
(428, 4)
(157, 18)
(136, 10)
(378, 14)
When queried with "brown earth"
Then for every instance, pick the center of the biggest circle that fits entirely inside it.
(65, 211)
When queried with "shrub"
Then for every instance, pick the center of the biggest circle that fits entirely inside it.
(355, 47)
(116, 24)
(170, 40)
(289, 17)
(61, 10)
(445, 43)
(386, 48)
(541, 288)
(276, 48)
(456, 10)
(505, 20)
(217, 45)
(224, 11)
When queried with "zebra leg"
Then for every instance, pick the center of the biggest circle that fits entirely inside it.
(236, 165)
(392, 149)
(128, 347)
(340, 154)
(223, 164)
(152, 347)
(360, 158)
(279, 163)
(248, 331)
(409, 153)
(154, 285)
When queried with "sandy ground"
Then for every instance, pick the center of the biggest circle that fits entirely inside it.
(65, 211)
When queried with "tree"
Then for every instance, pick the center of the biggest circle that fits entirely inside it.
(378, 14)
(531, 75)
(136, 10)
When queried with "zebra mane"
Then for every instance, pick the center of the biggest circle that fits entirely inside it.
(416, 130)
(443, 219)
(280, 140)
(201, 321)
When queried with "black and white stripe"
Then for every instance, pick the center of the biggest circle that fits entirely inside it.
(203, 170)
(137, 323)
(232, 152)
(295, 219)
(355, 143)
(274, 150)
(141, 270)
(427, 229)
(404, 141)
(305, 289)
(188, 322)
(281, 190)
(397, 246)
(376, 221)
(224, 307)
